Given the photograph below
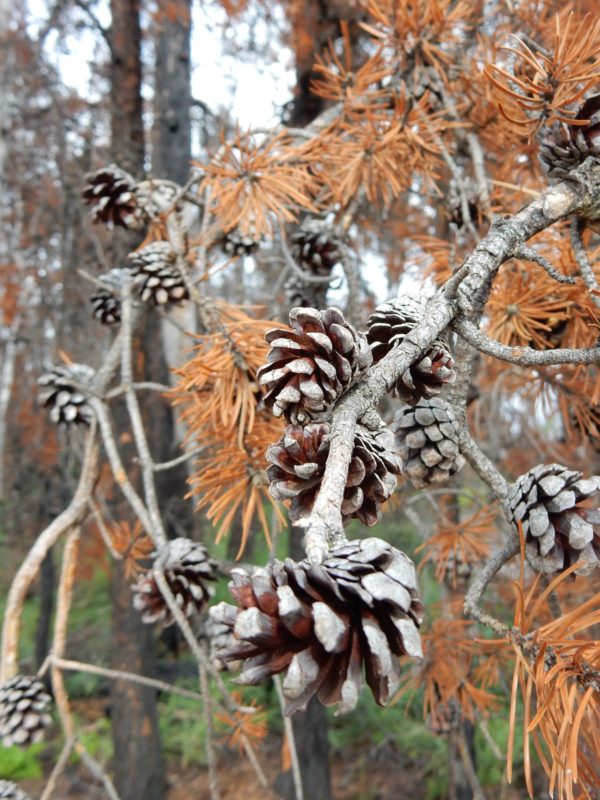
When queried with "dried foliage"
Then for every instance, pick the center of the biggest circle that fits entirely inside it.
(546, 84)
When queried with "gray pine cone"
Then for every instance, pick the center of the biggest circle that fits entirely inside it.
(10, 791)
(236, 243)
(388, 325)
(560, 527)
(323, 625)
(298, 464)
(186, 565)
(313, 364)
(67, 405)
(427, 440)
(107, 301)
(156, 276)
(24, 711)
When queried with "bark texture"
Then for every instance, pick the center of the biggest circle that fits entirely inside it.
(138, 761)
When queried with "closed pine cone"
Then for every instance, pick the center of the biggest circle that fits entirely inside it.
(67, 405)
(564, 147)
(388, 325)
(298, 464)
(235, 243)
(314, 248)
(24, 711)
(427, 441)
(186, 565)
(310, 366)
(156, 275)
(323, 624)
(560, 524)
(111, 193)
(106, 301)
(10, 791)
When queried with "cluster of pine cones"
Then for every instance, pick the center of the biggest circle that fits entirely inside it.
(117, 199)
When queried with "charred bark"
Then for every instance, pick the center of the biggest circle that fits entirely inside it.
(138, 761)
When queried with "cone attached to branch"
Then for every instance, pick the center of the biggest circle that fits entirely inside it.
(111, 193)
(24, 711)
(427, 441)
(66, 403)
(564, 147)
(313, 364)
(315, 248)
(558, 510)
(324, 625)
(186, 566)
(107, 301)
(298, 465)
(236, 243)
(10, 791)
(388, 325)
(155, 273)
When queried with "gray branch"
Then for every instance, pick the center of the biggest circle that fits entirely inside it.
(324, 525)
(524, 356)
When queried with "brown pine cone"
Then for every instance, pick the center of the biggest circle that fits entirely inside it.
(111, 192)
(564, 147)
(67, 405)
(107, 301)
(560, 523)
(427, 440)
(388, 325)
(313, 364)
(186, 566)
(10, 791)
(298, 464)
(156, 276)
(315, 249)
(24, 711)
(323, 624)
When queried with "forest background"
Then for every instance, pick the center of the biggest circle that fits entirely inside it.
(387, 139)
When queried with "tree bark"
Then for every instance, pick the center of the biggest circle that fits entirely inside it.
(138, 760)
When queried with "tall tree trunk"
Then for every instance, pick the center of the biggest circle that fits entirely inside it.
(138, 761)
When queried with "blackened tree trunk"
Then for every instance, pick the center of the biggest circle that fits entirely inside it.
(138, 760)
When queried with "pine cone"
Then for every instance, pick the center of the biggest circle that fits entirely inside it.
(186, 566)
(314, 248)
(322, 624)
(559, 524)
(310, 366)
(111, 192)
(24, 711)
(388, 325)
(156, 275)
(67, 405)
(107, 301)
(427, 441)
(220, 637)
(10, 791)
(155, 196)
(236, 243)
(564, 147)
(301, 294)
(298, 464)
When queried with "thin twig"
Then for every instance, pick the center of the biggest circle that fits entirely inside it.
(583, 262)
(213, 775)
(291, 741)
(480, 583)
(58, 769)
(529, 254)
(524, 356)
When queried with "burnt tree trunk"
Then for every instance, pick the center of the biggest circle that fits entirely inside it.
(138, 758)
